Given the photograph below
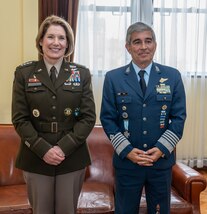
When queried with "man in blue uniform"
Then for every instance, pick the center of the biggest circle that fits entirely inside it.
(143, 113)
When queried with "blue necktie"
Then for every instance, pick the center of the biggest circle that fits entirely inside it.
(142, 81)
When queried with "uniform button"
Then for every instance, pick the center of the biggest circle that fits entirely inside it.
(144, 119)
(54, 107)
(53, 97)
(54, 118)
(144, 105)
(144, 132)
(124, 108)
(145, 145)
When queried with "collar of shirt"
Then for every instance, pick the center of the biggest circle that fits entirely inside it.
(147, 71)
(57, 66)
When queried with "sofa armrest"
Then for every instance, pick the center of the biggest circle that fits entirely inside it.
(189, 184)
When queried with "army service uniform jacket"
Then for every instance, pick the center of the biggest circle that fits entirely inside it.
(45, 115)
(132, 120)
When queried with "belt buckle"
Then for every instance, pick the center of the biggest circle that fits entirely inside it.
(54, 127)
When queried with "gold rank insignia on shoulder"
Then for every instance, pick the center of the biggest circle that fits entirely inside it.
(27, 64)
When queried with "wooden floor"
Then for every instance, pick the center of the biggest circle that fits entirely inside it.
(203, 197)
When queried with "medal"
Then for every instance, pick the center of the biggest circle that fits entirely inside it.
(126, 127)
(124, 115)
(126, 134)
(77, 112)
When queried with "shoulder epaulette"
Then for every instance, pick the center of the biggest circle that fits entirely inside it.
(26, 64)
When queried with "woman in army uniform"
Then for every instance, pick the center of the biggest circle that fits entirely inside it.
(53, 112)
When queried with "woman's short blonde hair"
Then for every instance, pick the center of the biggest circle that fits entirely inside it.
(55, 20)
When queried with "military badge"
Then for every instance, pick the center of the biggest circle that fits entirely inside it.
(163, 80)
(163, 89)
(67, 112)
(163, 116)
(126, 126)
(124, 115)
(74, 77)
(34, 82)
(164, 107)
(77, 112)
(126, 134)
(36, 113)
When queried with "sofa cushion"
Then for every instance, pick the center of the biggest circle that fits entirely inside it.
(14, 200)
(96, 197)
(178, 204)
(9, 144)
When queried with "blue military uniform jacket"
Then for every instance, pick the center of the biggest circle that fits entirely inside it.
(45, 115)
(133, 121)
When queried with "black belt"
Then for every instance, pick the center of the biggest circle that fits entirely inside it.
(53, 127)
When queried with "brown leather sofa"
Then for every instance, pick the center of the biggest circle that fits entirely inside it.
(97, 195)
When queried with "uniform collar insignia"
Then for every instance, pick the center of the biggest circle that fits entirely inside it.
(127, 70)
(157, 69)
(39, 70)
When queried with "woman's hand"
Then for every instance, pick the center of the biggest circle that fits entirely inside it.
(54, 156)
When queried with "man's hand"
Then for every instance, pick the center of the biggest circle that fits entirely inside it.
(154, 154)
(138, 156)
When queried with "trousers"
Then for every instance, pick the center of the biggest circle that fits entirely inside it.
(130, 185)
(54, 194)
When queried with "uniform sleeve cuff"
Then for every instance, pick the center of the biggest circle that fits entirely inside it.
(119, 142)
(40, 147)
(125, 152)
(163, 149)
(67, 144)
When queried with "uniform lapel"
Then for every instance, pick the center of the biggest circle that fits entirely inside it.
(153, 80)
(132, 80)
(63, 75)
(42, 74)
